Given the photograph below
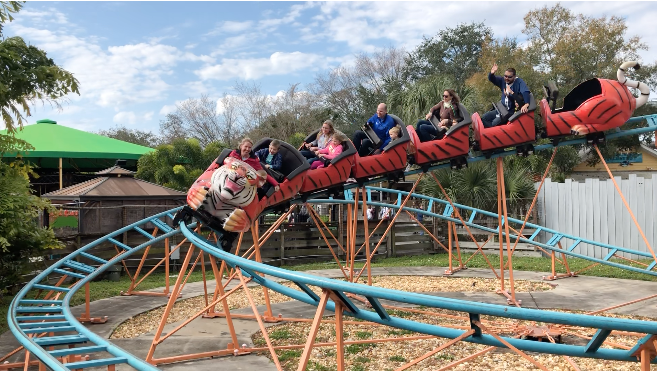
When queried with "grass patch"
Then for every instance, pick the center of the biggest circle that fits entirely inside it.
(362, 335)
(362, 359)
(399, 313)
(287, 355)
(357, 368)
(445, 356)
(399, 332)
(280, 334)
(357, 348)
(397, 358)
(519, 263)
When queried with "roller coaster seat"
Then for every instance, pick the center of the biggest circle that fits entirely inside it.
(551, 93)
(580, 94)
(293, 162)
(460, 114)
(371, 135)
(532, 107)
(336, 173)
(596, 105)
(295, 168)
(520, 129)
(453, 145)
(391, 160)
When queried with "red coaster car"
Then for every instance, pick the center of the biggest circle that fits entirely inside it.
(335, 174)
(454, 146)
(519, 132)
(391, 161)
(593, 106)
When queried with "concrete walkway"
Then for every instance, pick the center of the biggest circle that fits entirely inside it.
(577, 293)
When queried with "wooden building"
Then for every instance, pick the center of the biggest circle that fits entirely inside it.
(97, 207)
(643, 163)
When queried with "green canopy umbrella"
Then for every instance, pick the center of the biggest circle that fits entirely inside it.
(67, 149)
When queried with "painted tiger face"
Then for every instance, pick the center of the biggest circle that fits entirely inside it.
(235, 183)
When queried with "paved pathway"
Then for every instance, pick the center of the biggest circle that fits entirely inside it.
(580, 293)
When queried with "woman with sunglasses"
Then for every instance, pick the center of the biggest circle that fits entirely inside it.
(444, 112)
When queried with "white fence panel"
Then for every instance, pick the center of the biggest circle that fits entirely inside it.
(594, 210)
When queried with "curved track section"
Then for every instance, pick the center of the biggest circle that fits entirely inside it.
(43, 323)
(39, 324)
(471, 213)
(374, 295)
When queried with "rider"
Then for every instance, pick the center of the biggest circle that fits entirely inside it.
(511, 86)
(444, 111)
(245, 154)
(381, 124)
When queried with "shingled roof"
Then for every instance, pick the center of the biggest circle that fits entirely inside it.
(114, 183)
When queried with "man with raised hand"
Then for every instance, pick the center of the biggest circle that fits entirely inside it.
(513, 90)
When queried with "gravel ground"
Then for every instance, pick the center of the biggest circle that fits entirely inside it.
(394, 354)
(184, 309)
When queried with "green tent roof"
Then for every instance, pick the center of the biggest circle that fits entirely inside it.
(83, 149)
(52, 140)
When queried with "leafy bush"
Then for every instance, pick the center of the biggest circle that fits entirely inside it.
(21, 237)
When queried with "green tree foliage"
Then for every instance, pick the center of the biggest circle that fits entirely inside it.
(453, 52)
(476, 185)
(413, 102)
(179, 164)
(296, 139)
(571, 48)
(21, 237)
(27, 76)
(140, 137)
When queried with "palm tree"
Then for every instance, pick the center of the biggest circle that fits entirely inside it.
(476, 186)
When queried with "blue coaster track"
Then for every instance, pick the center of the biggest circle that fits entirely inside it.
(34, 321)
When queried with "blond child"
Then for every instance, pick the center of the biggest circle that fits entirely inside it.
(331, 151)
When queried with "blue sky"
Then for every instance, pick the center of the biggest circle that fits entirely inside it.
(135, 60)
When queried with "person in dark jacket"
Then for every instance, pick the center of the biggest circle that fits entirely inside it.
(381, 124)
(270, 156)
(513, 88)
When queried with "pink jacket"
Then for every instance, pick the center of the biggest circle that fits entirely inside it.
(331, 151)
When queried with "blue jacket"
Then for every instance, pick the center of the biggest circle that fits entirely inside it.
(276, 161)
(381, 127)
(518, 87)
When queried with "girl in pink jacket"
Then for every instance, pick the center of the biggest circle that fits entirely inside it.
(331, 151)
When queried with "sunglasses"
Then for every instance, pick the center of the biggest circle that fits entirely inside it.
(446, 96)
(508, 77)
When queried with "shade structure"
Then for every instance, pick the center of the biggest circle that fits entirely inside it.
(79, 150)
(115, 183)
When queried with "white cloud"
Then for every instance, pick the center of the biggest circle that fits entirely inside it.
(50, 16)
(115, 76)
(278, 63)
(363, 25)
(167, 109)
(234, 27)
(131, 118)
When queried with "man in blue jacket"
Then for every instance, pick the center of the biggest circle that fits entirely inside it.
(513, 88)
(381, 123)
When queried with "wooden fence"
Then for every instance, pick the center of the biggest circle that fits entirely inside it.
(594, 210)
(290, 244)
